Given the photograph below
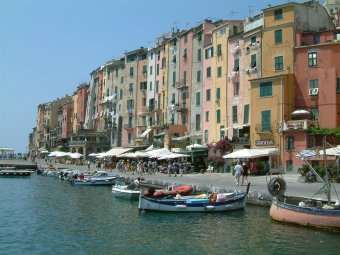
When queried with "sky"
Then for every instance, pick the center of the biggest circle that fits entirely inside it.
(49, 47)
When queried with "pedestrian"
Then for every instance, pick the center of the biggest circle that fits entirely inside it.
(245, 173)
(181, 168)
(169, 168)
(89, 165)
(238, 170)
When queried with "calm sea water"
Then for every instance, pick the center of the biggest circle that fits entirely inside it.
(42, 215)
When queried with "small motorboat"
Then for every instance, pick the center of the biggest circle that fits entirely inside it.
(216, 202)
(169, 191)
(121, 189)
(98, 178)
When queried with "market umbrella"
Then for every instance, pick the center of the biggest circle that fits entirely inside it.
(174, 155)
(75, 155)
(300, 112)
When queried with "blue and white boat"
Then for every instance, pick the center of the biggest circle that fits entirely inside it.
(216, 202)
(121, 189)
(99, 178)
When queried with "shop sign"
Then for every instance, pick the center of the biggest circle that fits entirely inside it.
(295, 124)
(264, 142)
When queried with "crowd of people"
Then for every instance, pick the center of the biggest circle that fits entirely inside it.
(140, 167)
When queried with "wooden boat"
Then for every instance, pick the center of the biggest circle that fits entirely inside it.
(307, 211)
(169, 191)
(121, 189)
(314, 213)
(216, 202)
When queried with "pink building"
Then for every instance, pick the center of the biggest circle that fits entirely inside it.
(184, 84)
(317, 90)
(81, 104)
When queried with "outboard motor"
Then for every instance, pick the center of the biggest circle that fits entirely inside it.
(150, 192)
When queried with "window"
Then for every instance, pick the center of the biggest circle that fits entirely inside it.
(253, 61)
(129, 138)
(122, 79)
(121, 94)
(278, 63)
(185, 53)
(208, 95)
(236, 65)
(143, 86)
(234, 113)
(117, 72)
(312, 60)
(173, 96)
(236, 88)
(157, 69)
(131, 71)
(198, 75)
(266, 89)
(219, 50)
(219, 71)
(234, 30)
(338, 85)
(145, 71)
(208, 72)
(246, 114)
(222, 132)
(253, 40)
(315, 113)
(131, 88)
(316, 39)
(218, 116)
(157, 86)
(184, 119)
(265, 120)
(278, 14)
(199, 55)
(198, 98)
(207, 116)
(209, 52)
(185, 78)
(185, 38)
(150, 85)
(150, 70)
(313, 84)
(206, 136)
(278, 36)
(198, 122)
(290, 143)
(174, 78)
(218, 94)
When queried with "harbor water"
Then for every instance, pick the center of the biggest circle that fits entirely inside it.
(43, 215)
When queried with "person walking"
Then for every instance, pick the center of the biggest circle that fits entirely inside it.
(245, 173)
(238, 170)
(89, 165)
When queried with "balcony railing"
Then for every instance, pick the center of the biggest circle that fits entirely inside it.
(181, 107)
(181, 85)
(129, 125)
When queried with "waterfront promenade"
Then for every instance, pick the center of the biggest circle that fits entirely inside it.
(213, 181)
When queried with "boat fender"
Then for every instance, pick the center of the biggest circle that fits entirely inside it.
(302, 204)
(277, 186)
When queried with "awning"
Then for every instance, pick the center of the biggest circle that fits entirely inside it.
(117, 151)
(252, 153)
(145, 132)
(181, 138)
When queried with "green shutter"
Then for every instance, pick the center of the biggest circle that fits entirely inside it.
(208, 95)
(234, 113)
(218, 116)
(266, 89)
(278, 36)
(246, 114)
(198, 98)
(265, 120)
(219, 71)
(218, 94)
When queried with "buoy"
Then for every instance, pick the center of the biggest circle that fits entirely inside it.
(277, 186)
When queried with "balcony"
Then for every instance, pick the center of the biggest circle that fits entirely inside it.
(181, 85)
(129, 126)
(296, 125)
(130, 111)
(181, 107)
(273, 127)
(144, 111)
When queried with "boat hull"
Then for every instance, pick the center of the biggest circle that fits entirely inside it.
(191, 205)
(95, 182)
(307, 216)
(125, 193)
